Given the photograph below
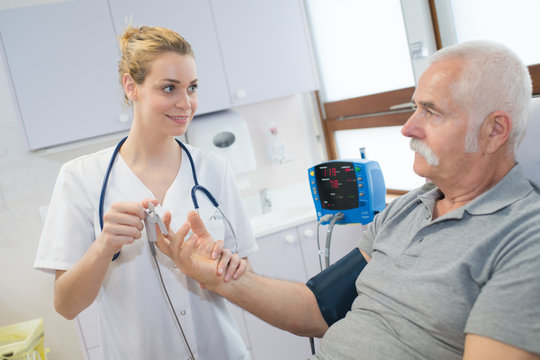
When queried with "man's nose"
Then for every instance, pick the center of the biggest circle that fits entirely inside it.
(413, 127)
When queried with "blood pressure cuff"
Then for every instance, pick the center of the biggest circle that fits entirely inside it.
(335, 287)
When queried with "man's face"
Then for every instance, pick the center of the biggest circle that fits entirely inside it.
(438, 126)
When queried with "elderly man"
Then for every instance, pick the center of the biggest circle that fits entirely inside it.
(454, 266)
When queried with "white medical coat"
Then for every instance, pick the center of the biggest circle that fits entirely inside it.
(135, 319)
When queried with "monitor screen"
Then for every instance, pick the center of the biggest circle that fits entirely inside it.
(337, 185)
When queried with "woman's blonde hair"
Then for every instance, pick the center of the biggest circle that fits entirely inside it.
(140, 46)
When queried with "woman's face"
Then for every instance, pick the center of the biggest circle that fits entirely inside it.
(167, 99)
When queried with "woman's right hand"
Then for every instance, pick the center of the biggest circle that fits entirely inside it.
(122, 225)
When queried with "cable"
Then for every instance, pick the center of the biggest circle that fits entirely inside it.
(325, 218)
(153, 251)
(335, 219)
(312, 345)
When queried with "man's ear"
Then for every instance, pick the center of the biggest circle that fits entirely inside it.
(130, 87)
(498, 126)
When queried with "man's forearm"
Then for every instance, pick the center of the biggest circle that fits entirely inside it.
(287, 305)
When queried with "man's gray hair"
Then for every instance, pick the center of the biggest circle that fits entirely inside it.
(493, 78)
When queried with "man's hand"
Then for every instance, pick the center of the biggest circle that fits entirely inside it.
(199, 256)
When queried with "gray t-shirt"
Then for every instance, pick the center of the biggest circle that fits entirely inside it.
(473, 270)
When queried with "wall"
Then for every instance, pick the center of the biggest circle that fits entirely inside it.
(27, 179)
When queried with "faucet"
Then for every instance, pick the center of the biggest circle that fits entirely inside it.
(266, 203)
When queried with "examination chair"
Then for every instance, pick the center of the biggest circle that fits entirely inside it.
(527, 153)
(335, 290)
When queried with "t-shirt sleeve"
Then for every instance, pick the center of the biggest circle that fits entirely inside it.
(68, 230)
(370, 231)
(508, 306)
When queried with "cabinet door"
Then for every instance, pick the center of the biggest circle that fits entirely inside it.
(344, 238)
(279, 256)
(62, 61)
(238, 315)
(87, 325)
(265, 47)
(193, 21)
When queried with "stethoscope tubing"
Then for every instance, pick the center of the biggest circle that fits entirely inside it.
(194, 189)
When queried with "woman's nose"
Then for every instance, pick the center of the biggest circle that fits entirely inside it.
(183, 102)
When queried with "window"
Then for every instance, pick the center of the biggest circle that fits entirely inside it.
(366, 70)
(463, 20)
(371, 53)
(363, 47)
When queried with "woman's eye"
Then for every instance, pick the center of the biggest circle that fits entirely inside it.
(168, 88)
(193, 88)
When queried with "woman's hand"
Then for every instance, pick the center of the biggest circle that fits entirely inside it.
(229, 264)
(122, 225)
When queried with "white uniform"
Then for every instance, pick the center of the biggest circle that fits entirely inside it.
(135, 319)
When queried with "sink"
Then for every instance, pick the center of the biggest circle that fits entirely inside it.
(291, 206)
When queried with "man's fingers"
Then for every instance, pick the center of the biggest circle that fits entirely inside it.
(177, 238)
(197, 224)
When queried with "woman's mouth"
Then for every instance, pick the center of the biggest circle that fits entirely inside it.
(179, 119)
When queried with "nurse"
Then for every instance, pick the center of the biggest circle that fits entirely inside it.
(158, 74)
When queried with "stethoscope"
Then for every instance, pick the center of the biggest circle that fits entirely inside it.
(194, 189)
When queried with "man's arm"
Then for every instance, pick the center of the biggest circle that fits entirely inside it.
(287, 305)
(483, 348)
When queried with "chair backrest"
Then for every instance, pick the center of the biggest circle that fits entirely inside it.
(528, 152)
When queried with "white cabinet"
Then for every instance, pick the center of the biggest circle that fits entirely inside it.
(265, 47)
(246, 51)
(62, 61)
(292, 255)
(62, 58)
(193, 20)
(279, 256)
(87, 323)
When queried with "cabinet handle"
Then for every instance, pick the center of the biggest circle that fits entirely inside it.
(240, 94)
(308, 233)
(290, 239)
(123, 118)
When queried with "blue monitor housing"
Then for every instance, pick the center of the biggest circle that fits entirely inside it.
(355, 188)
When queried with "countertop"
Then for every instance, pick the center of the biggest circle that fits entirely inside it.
(291, 206)
(285, 218)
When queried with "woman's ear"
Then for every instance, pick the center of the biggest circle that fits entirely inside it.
(130, 87)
